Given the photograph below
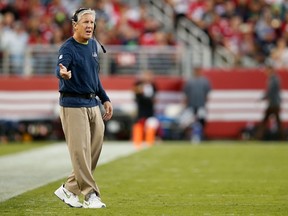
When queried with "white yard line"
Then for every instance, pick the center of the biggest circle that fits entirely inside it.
(25, 171)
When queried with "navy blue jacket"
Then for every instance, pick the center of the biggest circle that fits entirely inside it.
(83, 61)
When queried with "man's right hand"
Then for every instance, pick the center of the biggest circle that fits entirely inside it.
(64, 73)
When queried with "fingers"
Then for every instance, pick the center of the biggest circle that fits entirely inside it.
(107, 115)
(64, 73)
(108, 111)
(61, 66)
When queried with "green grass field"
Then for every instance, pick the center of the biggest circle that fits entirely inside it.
(15, 147)
(179, 179)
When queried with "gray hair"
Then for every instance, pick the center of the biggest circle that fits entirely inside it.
(81, 13)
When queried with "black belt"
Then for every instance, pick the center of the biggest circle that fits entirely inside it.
(86, 96)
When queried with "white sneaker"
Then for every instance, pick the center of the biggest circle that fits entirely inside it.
(93, 202)
(68, 197)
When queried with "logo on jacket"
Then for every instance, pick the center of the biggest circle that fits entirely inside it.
(94, 54)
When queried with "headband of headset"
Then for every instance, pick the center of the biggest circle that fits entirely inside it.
(75, 16)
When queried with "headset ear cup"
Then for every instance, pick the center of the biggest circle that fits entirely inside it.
(74, 17)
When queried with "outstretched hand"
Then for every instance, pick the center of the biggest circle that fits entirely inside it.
(64, 73)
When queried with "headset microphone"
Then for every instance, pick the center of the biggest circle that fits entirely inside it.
(94, 35)
(104, 50)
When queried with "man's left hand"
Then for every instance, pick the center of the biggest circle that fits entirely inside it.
(108, 111)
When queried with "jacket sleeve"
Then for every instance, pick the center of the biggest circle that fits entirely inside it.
(65, 58)
(102, 93)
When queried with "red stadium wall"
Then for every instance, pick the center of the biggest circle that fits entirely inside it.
(109, 82)
(220, 79)
(242, 80)
(224, 120)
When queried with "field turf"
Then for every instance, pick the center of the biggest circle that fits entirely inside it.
(16, 147)
(178, 179)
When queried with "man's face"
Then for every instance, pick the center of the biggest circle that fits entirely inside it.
(84, 28)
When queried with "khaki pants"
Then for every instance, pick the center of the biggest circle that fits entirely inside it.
(84, 131)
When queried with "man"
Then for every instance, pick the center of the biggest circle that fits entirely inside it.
(145, 92)
(273, 98)
(196, 93)
(82, 121)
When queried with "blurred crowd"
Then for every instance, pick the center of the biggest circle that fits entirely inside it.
(254, 28)
(24, 22)
(27, 22)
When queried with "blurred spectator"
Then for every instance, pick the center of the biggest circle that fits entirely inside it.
(196, 10)
(57, 37)
(248, 49)
(196, 92)
(145, 91)
(1, 38)
(127, 34)
(14, 42)
(9, 131)
(216, 29)
(180, 8)
(279, 54)
(233, 39)
(241, 9)
(265, 32)
(70, 6)
(206, 18)
(284, 27)
(254, 10)
(146, 124)
(272, 112)
(56, 10)
(229, 9)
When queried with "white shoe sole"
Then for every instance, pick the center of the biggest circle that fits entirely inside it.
(85, 205)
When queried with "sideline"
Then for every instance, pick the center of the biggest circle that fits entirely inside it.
(28, 170)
